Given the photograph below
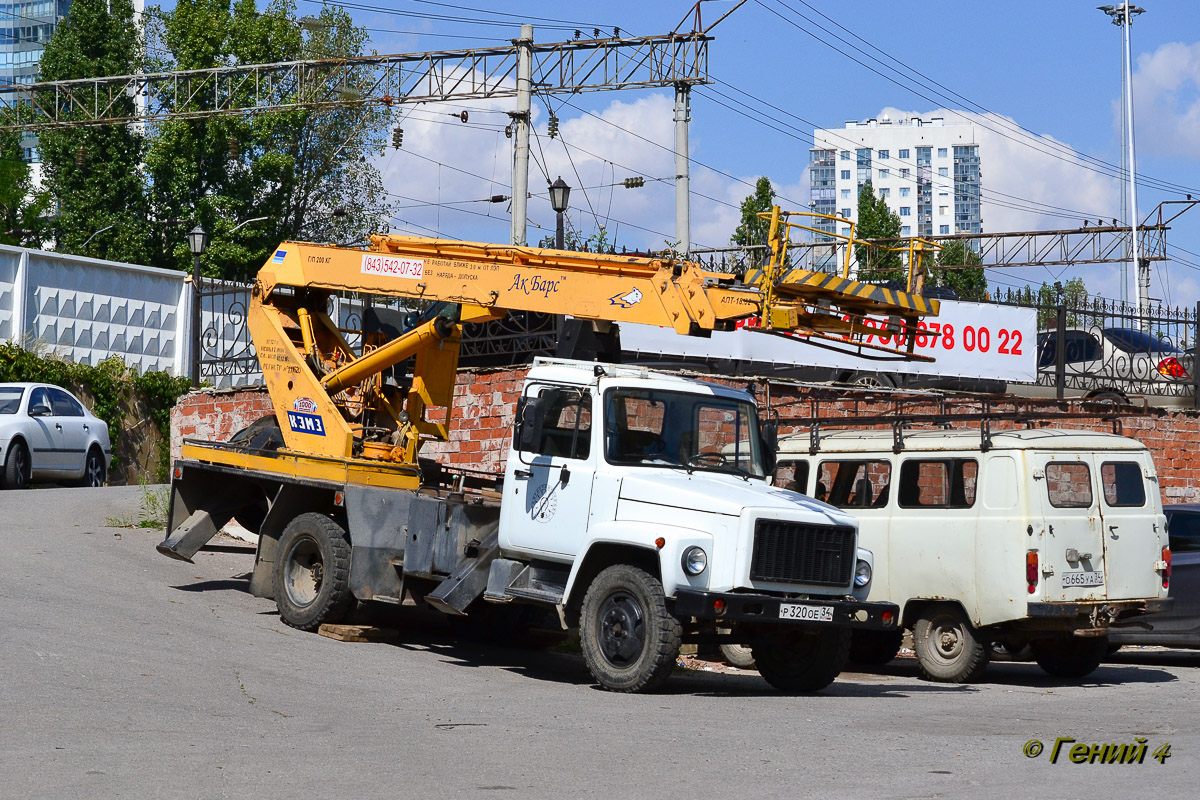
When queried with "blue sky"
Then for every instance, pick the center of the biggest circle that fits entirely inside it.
(1051, 68)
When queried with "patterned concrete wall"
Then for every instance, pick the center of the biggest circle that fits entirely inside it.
(10, 265)
(86, 310)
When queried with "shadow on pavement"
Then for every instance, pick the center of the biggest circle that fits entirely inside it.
(1029, 674)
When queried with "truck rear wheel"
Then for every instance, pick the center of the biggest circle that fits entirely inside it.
(1069, 656)
(802, 662)
(630, 640)
(949, 649)
(312, 574)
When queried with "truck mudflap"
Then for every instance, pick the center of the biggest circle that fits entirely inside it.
(762, 608)
(1098, 610)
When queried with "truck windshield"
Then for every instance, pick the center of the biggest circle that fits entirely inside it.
(694, 431)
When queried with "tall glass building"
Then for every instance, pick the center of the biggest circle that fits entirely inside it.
(25, 27)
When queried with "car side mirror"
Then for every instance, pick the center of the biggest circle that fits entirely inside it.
(40, 410)
(531, 416)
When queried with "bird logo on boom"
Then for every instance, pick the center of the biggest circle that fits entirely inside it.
(627, 300)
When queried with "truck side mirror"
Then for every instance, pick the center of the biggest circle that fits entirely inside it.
(770, 438)
(531, 416)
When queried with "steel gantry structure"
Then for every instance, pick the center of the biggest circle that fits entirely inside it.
(1099, 244)
(678, 60)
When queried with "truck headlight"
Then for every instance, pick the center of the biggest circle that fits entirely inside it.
(694, 560)
(862, 574)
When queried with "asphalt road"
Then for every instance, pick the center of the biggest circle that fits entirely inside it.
(126, 674)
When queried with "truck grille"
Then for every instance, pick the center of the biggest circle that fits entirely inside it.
(793, 552)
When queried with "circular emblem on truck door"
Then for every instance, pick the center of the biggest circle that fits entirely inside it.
(544, 505)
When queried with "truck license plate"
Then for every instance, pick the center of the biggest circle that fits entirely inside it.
(809, 613)
(1083, 579)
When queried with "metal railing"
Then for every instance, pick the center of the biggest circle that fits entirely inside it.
(1107, 349)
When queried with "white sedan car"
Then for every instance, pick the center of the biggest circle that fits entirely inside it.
(47, 434)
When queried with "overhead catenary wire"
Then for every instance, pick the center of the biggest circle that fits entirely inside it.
(1087, 162)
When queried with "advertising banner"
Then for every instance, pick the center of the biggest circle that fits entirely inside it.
(967, 340)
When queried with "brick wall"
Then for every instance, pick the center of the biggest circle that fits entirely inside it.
(484, 404)
(216, 414)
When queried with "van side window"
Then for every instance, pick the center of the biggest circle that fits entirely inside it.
(568, 427)
(793, 476)
(1069, 484)
(1123, 485)
(938, 483)
(854, 484)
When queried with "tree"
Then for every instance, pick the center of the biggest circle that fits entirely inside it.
(573, 240)
(21, 208)
(752, 230)
(968, 283)
(93, 173)
(307, 172)
(1071, 293)
(877, 221)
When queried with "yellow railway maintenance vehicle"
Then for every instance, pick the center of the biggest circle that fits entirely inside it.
(636, 505)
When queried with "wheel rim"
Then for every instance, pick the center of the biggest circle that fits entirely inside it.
(948, 640)
(622, 629)
(95, 472)
(304, 572)
(23, 470)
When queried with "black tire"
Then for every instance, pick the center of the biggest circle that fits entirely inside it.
(629, 639)
(874, 648)
(949, 649)
(312, 574)
(1069, 656)
(262, 434)
(871, 380)
(17, 468)
(1109, 396)
(794, 661)
(738, 655)
(95, 471)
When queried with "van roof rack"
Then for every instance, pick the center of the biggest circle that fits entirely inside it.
(949, 412)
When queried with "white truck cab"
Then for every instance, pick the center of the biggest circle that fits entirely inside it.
(1038, 537)
(615, 467)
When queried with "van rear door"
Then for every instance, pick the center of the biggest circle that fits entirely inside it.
(1134, 525)
(1073, 544)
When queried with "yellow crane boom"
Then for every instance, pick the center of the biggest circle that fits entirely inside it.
(332, 402)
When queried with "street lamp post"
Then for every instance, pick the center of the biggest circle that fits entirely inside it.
(1122, 16)
(560, 192)
(197, 240)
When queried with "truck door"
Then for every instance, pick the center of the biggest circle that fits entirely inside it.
(1073, 544)
(548, 491)
(1133, 525)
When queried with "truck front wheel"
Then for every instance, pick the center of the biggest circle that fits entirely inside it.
(949, 649)
(630, 640)
(875, 648)
(802, 662)
(1068, 656)
(312, 576)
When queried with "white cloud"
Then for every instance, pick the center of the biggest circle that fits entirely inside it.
(1166, 96)
(1030, 182)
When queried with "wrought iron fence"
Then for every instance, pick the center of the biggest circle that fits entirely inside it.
(227, 356)
(1106, 349)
